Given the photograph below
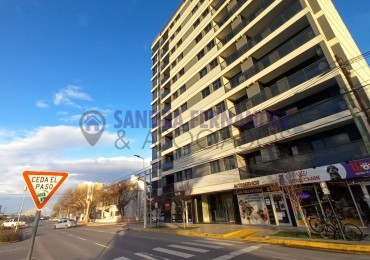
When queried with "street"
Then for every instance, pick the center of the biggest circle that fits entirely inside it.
(112, 242)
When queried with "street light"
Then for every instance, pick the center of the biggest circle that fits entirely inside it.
(20, 211)
(145, 191)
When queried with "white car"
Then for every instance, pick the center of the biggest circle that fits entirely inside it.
(65, 223)
(12, 223)
(160, 218)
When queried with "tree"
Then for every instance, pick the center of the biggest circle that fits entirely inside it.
(123, 193)
(182, 196)
(287, 184)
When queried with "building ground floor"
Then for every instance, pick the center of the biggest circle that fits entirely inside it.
(255, 201)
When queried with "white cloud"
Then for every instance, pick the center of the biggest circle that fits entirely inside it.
(41, 104)
(67, 95)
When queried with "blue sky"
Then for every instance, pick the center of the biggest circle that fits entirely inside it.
(61, 58)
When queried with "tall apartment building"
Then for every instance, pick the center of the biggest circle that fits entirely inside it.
(249, 89)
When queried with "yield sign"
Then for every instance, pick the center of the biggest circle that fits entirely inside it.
(43, 185)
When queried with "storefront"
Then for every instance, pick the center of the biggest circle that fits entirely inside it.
(348, 183)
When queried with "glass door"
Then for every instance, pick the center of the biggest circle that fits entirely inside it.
(270, 209)
(281, 209)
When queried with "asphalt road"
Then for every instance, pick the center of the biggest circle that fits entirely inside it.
(112, 242)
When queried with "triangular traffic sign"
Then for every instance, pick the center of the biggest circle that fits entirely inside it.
(43, 185)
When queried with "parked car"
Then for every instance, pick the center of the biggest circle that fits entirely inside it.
(12, 223)
(65, 223)
(160, 219)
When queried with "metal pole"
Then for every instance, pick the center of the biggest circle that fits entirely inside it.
(20, 211)
(34, 231)
(150, 199)
(335, 216)
(145, 200)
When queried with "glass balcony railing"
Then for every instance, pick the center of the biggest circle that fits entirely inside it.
(247, 20)
(304, 116)
(231, 12)
(167, 145)
(317, 68)
(167, 166)
(341, 153)
(271, 58)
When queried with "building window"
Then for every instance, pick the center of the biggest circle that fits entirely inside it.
(213, 64)
(175, 95)
(177, 132)
(197, 22)
(208, 114)
(184, 107)
(203, 72)
(198, 38)
(225, 133)
(182, 89)
(215, 166)
(194, 10)
(180, 57)
(208, 28)
(176, 113)
(154, 137)
(188, 174)
(200, 54)
(220, 108)
(216, 85)
(211, 45)
(206, 92)
(229, 163)
(178, 153)
(211, 139)
(181, 72)
(174, 79)
(204, 14)
(185, 127)
(178, 176)
(186, 150)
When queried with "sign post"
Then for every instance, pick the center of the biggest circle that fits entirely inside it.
(42, 186)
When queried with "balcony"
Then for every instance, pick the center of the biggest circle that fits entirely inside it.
(271, 58)
(247, 20)
(315, 69)
(166, 109)
(165, 79)
(167, 125)
(167, 166)
(232, 11)
(167, 145)
(219, 4)
(309, 114)
(165, 93)
(342, 153)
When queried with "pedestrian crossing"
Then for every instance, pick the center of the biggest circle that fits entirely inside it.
(197, 247)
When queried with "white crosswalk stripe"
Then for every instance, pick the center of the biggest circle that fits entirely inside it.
(202, 245)
(172, 252)
(238, 252)
(194, 249)
(145, 256)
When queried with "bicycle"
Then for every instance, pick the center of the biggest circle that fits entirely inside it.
(317, 222)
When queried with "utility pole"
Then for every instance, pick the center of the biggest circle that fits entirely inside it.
(20, 211)
(363, 124)
(145, 191)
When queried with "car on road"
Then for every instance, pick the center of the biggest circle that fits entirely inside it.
(12, 223)
(65, 223)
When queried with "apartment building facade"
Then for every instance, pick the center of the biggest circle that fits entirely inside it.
(249, 89)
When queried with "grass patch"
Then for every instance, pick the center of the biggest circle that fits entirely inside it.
(296, 234)
(9, 235)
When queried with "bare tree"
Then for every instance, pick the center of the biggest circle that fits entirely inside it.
(182, 196)
(287, 184)
(126, 193)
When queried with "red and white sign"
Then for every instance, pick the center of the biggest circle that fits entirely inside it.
(43, 185)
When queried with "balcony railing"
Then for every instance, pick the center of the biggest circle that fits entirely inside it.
(231, 12)
(247, 20)
(167, 125)
(342, 153)
(167, 166)
(167, 145)
(315, 69)
(165, 93)
(166, 109)
(304, 116)
(219, 4)
(271, 58)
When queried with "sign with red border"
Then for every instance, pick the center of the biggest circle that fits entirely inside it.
(43, 185)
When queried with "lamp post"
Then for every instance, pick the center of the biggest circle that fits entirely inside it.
(20, 211)
(145, 191)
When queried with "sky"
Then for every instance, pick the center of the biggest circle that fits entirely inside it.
(59, 59)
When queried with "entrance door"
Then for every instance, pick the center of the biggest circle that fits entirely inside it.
(281, 209)
(270, 209)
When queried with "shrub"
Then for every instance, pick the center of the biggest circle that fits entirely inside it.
(8, 235)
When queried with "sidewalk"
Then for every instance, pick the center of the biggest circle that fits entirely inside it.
(259, 234)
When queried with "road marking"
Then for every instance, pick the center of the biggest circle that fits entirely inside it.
(237, 253)
(81, 238)
(223, 240)
(122, 258)
(100, 245)
(11, 249)
(215, 242)
(145, 256)
(172, 252)
(70, 235)
(207, 246)
(194, 249)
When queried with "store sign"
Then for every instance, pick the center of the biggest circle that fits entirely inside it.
(246, 184)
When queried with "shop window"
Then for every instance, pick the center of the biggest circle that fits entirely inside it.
(215, 166)
(229, 163)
